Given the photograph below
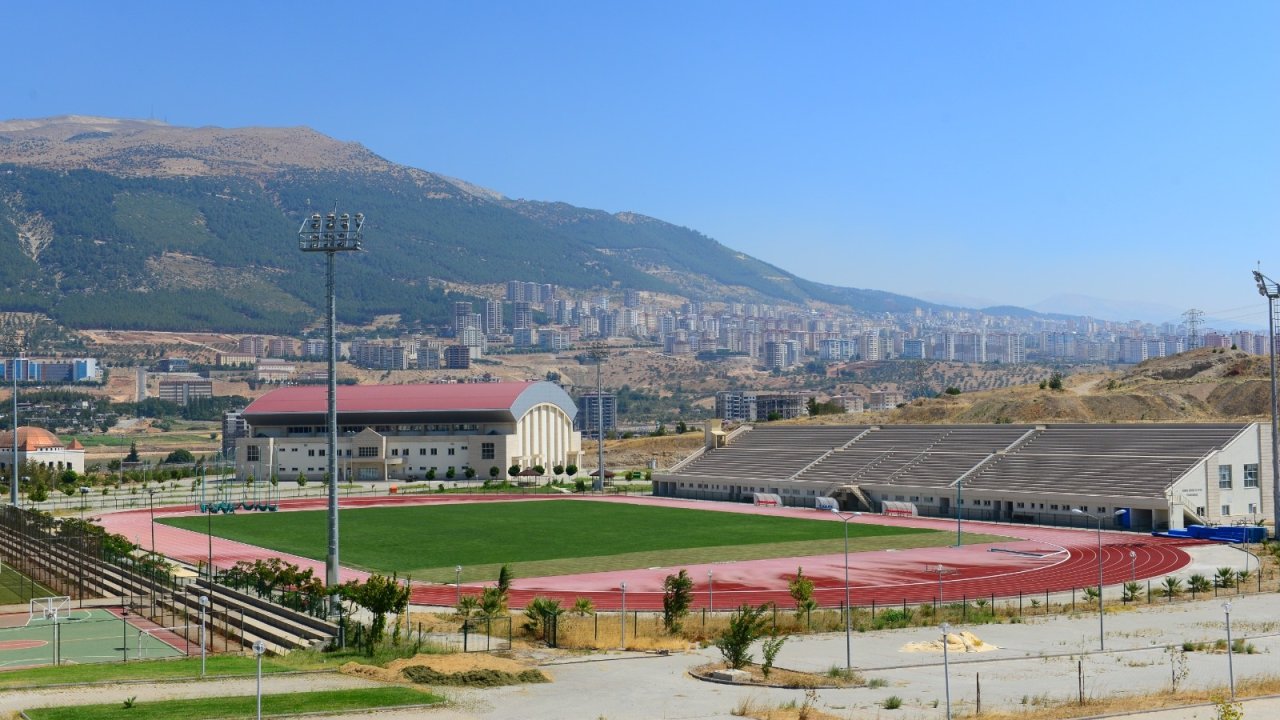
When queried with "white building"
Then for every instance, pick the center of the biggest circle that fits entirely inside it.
(400, 432)
(40, 447)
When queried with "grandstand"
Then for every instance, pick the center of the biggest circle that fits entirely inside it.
(1141, 477)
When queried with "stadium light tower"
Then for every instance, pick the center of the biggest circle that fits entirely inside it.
(13, 466)
(1271, 291)
(331, 234)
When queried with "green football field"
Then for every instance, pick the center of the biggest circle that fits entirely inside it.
(553, 537)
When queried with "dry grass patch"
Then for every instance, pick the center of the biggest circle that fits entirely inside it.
(1093, 707)
(445, 665)
(781, 677)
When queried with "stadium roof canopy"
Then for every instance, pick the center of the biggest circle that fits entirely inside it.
(392, 404)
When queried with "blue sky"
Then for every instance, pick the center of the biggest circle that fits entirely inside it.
(988, 152)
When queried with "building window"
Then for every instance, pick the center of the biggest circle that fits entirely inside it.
(422, 451)
(486, 451)
(450, 451)
(1253, 508)
(1224, 478)
(1226, 509)
(311, 453)
(368, 452)
(433, 451)
(1251, 475)
(252, 454)
(322, 453)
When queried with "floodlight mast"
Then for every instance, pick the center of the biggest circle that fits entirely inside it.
(331, 234)
(1271, 291)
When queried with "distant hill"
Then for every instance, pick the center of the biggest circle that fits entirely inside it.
(1202, 385)
(128, 224)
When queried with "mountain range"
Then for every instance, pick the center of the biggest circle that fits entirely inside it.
(139, 224)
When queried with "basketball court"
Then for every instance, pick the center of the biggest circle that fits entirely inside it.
(53, 632)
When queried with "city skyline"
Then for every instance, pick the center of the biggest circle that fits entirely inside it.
(997, 154)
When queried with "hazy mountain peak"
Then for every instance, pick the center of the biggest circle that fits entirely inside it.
(152, 148)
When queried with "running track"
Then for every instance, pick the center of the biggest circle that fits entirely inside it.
(1034, 561)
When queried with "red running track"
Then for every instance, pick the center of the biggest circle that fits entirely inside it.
(1034, 561)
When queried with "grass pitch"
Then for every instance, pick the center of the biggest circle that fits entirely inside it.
(551, 537)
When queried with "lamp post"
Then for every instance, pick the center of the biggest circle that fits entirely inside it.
(204, 608)
(457, 584)
(623, 644)
(946, 666)
(84, 502)
(1271, 291)
(959, 485)
(1231, 673)
(151, 502)
(1101, 633)
(848, 611)
(258, 649)
(711, 593)
(1133, 566)
(331, 234)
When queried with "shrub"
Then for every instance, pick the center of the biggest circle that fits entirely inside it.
(893, 702)
(746, 625)
(1198, 583)
(677, 595)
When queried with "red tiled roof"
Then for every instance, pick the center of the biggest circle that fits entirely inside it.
(390, 398)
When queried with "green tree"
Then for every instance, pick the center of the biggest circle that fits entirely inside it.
(539, 615)
(514, 470)
(746, 625)
(681, 427)
(495, 471)
(504, 583)
(132, 457)
(470, 472)
(179, 457)
(677, 595)
(1055, 381)
(450, 473)
(379, 595)
(431, 473)
(801, 589)
(571, 469)
(302, 479)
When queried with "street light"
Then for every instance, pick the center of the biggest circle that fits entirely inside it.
(151, 501)
(1133, 566)
(1231, 673)
(711, 593)
(331, 234)
(457, 584)
(623, 644)
(1271, 291)
(1101, 633)
(959, 486)
(258, 649)
(204, 608)
(598, 354)
(848, 611)
(946, 666)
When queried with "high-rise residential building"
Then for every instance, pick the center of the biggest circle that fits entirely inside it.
(521, 316)
(462, 317)
(590, 407)
(252, 345)
(233, 428)
(457, 357)
(870, 346)
(493, 317)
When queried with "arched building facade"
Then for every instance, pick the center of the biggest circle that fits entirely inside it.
(403, 432)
